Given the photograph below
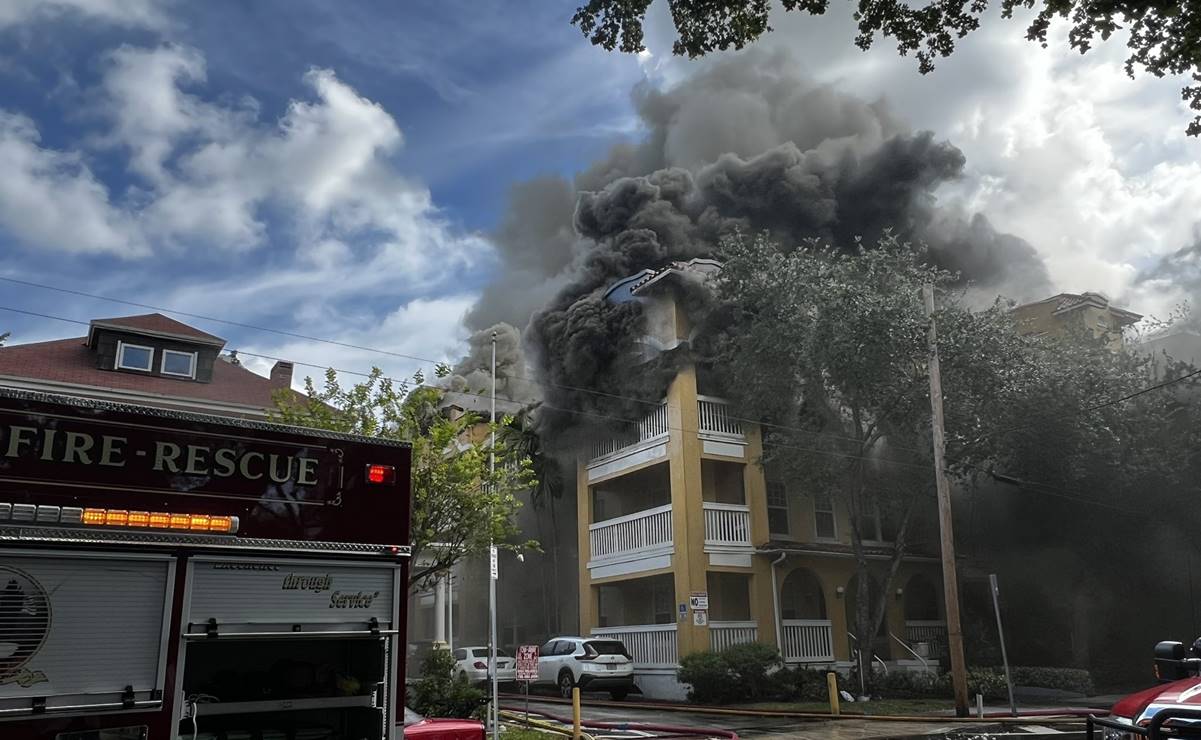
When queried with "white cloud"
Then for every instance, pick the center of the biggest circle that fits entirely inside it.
(53, 200)
(130, 13)
(425, 327)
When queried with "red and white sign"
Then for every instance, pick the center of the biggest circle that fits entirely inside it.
(527, 662)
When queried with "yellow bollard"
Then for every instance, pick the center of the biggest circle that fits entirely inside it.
(832, 688)
(575, 713)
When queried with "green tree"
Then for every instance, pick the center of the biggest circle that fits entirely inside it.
(460, 505)
(1164, 35)
(829, 349)
(4, 338)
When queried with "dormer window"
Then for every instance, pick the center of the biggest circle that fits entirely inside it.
(178, 364)
(134, 357)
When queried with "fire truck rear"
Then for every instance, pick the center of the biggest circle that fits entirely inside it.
(168, 575)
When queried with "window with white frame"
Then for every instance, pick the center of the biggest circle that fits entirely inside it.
(824, 524)
(777, 507)
(179, 364)
(134, 357)
(874, 527)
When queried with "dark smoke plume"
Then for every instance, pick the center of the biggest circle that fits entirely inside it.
(748, 144)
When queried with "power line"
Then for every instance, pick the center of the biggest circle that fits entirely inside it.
(364, 348)
(1051, 490)
(409, 383)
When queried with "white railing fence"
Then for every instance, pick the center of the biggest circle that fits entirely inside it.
(631, 533)
(727, 524)
(724, 634)
(651, 645)
(808, 640)
(932, 632)
(715, 417)
(653, 426)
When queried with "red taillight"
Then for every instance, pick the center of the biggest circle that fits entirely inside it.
(481, 665)
(381, 475)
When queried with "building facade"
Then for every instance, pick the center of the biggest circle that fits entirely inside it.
(1085, 314)
(146, 360)
(686, 546)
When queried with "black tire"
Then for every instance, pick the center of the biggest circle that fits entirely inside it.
(566, 684)
(619, 694)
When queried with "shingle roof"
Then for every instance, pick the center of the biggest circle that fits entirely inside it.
(156, 323)
(70, 361)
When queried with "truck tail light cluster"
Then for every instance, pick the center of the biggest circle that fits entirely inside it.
(381, 475)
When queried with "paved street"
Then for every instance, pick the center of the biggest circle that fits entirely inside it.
(771, 728)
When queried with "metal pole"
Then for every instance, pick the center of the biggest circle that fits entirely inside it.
(996, 606)
(492, 566)
(450, 610)
(950, 583)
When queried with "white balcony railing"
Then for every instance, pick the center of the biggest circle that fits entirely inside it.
(715, 417)
(653, 426)
(642, 531)
(651, 645)
(727, 525)
(931, 632)
(808, 640)
(724, 634)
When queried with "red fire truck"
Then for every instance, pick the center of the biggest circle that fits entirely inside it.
(168, 575)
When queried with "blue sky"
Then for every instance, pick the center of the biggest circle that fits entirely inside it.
(335, 169)
(409, 122)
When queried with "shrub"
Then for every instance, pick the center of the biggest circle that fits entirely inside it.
(707, 677)
(753, 667)
(440, 694)
(1076, 680)
(748, 672)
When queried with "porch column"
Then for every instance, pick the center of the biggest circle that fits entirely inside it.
(690, 562)
(440, 610)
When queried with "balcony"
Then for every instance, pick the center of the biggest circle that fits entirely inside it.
(726, 634)
(651, 645)
(648, 442)
(807, 640)
(631, 543)
(719, 433)
(728, 534)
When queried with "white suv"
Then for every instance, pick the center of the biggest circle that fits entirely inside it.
(592, 663)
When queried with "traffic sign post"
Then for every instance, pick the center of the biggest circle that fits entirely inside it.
(527, 670)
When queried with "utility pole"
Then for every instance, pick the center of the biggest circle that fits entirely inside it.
(494, 712)
(950, 584)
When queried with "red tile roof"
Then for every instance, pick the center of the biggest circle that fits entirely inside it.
(157, 323)
(70, 361)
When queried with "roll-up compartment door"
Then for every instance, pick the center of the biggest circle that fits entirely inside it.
(82, 630)
(238, 596)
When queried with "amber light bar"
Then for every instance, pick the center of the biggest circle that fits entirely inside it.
(36, 514)
(160, 520)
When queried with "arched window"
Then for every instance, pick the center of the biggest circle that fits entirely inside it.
(921, 600)
(801, 596)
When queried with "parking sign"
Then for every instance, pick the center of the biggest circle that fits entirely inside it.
(527, 662)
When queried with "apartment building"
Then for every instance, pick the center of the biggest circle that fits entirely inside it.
(1084, 313)
(686, 546)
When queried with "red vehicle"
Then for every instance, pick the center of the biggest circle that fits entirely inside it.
(421, 728)
(167, 575)
(1171, 709)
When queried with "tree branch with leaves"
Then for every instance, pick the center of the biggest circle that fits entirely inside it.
(1164, 36)
(461, 504)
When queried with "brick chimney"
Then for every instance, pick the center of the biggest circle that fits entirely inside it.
(281, 375)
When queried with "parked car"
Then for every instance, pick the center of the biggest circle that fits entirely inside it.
(471, 664)
(592, 663)
(420, 728)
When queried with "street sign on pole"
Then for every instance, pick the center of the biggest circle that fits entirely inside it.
(494, 561)
(527, 662)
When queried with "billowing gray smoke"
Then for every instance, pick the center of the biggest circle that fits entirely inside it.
(748, 144)
(472, 374)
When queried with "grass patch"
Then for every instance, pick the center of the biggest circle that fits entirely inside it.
(522, 733)
(880, 707)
